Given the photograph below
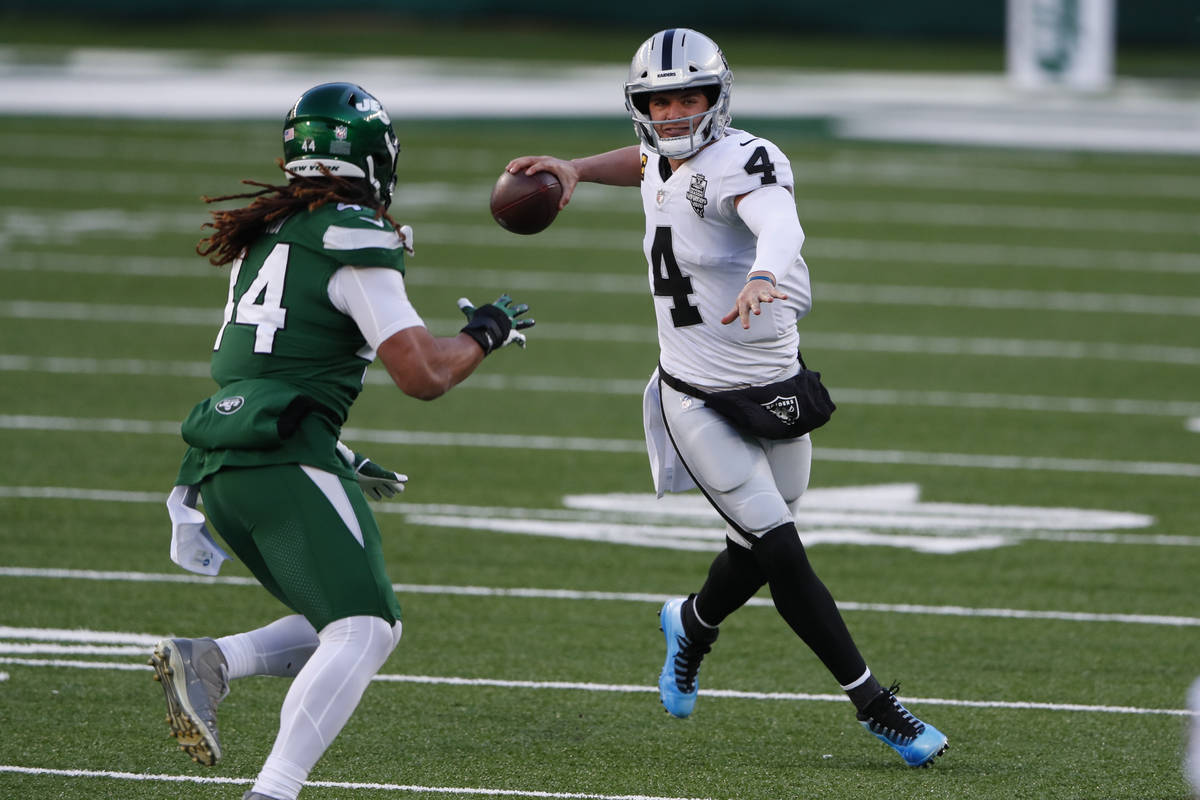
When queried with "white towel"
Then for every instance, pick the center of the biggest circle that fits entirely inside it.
(192, 546)
(666, 470)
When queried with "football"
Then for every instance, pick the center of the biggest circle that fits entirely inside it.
(525, 203)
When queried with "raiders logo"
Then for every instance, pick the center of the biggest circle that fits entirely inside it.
(695, 194)
(230, 405)
(786, 408)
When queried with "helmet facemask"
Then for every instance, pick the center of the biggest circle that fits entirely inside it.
(674, 59)
(703, 127)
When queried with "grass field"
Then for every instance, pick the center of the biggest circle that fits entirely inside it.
(1012, 341)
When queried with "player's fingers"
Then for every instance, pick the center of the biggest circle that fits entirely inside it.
(730, 317)
(744, 314)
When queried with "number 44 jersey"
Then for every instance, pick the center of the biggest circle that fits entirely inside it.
(699, 251)
(279, 321)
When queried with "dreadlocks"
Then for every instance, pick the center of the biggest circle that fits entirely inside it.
(236, 229)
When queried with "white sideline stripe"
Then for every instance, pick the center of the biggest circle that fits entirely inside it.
(647, 335)
(581, 686)
(549, 594)
(825, 249)
(387, 787)
(624, 386)
(28, 422)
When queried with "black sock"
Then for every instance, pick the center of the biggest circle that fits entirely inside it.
(733, 578)
(805, 604)
(865, 692)
(696, 630)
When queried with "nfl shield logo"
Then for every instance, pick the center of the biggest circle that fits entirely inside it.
(786, 408)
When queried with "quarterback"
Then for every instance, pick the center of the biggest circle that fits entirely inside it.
(316, 293)
(730, 406)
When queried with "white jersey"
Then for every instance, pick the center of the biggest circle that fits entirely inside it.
(699, 251)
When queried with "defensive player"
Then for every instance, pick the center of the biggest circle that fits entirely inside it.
(316, 292)
(729, 284)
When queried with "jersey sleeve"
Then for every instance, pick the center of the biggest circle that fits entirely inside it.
(352, 235)
(754, 163)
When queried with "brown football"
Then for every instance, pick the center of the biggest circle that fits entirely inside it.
(525, 203)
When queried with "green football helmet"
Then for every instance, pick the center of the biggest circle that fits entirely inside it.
(345, 129)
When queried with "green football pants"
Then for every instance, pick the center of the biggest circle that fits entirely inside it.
(308, 536)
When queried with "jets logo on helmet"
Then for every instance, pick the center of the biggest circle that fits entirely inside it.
(679, 58)
(342, 128)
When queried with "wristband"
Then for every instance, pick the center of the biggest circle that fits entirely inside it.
(760, 278)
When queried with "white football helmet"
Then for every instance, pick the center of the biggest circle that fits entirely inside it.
(679, 58)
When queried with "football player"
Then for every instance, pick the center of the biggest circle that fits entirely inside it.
(316, 293)
(729, 284)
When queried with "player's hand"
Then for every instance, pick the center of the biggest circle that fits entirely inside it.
(376, 482)
(496, 324)
(566, 172)
(750, 299)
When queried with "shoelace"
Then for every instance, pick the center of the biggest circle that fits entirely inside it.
(896, 721)
(687, 662)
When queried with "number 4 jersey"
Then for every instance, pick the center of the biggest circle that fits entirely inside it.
(699, 251)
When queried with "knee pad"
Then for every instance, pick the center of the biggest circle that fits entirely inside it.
(780, 545)
(372, 636)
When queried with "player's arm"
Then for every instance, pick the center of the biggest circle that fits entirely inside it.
(622, 167)
(770, 214)
(420, 364)
(424, 366)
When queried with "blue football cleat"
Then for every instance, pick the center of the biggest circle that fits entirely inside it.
(918, 743)
(677, 686)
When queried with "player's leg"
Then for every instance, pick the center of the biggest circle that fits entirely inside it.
(754, 484)
(320, 546)
(719, 459)
(809, 609)
(322, 698)
(279, 649)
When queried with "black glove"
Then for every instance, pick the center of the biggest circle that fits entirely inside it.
(495, 325)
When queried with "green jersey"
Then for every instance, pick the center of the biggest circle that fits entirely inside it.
(284, 349)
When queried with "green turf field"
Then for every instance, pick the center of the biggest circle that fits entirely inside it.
(1012, 341)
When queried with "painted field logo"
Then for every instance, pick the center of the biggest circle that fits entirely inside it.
(786, 408)
(230, 405)
(886, 515)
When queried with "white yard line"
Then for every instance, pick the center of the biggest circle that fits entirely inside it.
(52, 226)
(37, 634)
(877, 251)
(628, 387)
(599, 445)
(581, 686)
(645, 334)
(350, 785)
(583, 444)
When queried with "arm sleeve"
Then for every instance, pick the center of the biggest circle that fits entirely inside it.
(770, 213)
(374, 297)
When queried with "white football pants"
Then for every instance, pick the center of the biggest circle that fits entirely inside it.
(754, 483)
